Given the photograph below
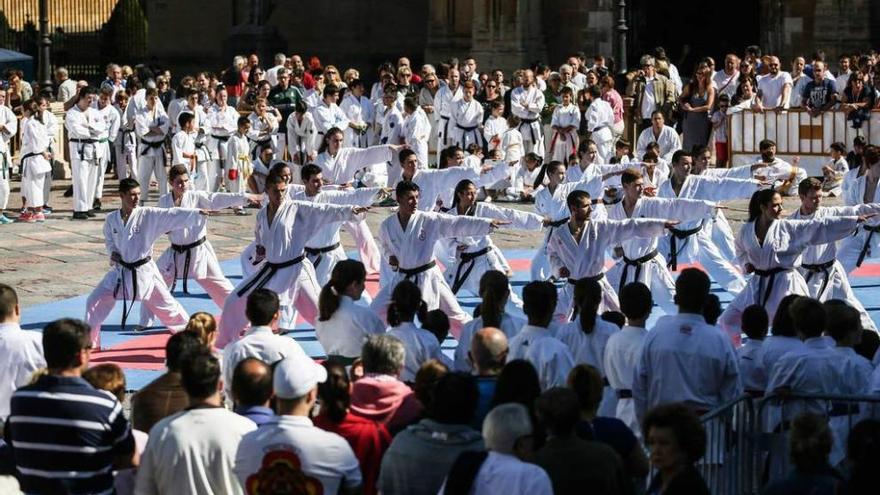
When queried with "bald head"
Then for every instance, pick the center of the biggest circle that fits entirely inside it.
(488, 351)
(252, 383)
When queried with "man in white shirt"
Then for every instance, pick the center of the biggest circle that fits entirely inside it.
(260, 341)
(843, 74)
(774, 89)
(661, 134)
(272, 73)
(726, 80)
(193, 451)
(503, 469)
(66, 85)
(290, 446)
(22, 350)
(684, 359)
(536, 343)
(624, 348)
(751, 354)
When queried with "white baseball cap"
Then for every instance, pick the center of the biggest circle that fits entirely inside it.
(296, 375)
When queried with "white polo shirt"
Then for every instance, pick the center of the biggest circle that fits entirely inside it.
(346, 331)
(291, 446)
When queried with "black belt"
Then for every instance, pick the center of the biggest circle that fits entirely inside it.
(673, 244)
(184, 248)
(154, 144)
(594, 278)
(133, 266)
(529, 123)
(866, 248)
(25, 157)
(637, 263)
(5, 173)
(819, 268)
(624, 394)
(462, 273)
(319, 252)
(266, 273)
(412, 272)
(82, 145)
(473, 130)
(765, 287)
(558, 223)
(220, 140)
(445, 127)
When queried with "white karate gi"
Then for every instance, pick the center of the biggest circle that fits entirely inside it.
(9, 124)
(780, 173)
(413, 246)
(550, 357)
(126, 147)
(493, 132)
(323, 247)
(106, 140)
(825, 276)
(527, 103)
(781, 251)
(302, 140)
(776, 346)
(443, 181)
(262, 133)
(199, 262)
(220, 124)
(751, 366)
(327, 117)
(151, 148)
(586, 257)
(84, 128)
(416, 131)
(443, 102)
(134, 240)
(642, 261)
(357, 110)
(346, 331)
(237, 157)
(346, 166)
(420, 346)
(622, 352)
(564, 144)
(865, 243)
(512, 146)
(480, 253)
(284, 240)
(553, 205)
(184, 143)
(695, 240)
(51, 128)
(684, 359)
(466, 122)
(510, 325)
(261, 343)
(600, 121)
(668, 141)
(590, 349)
(34, 168)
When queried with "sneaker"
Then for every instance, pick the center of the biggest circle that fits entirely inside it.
(4, 220)
(80, 215)
(27, 217)
(47, 210)
(39, 217)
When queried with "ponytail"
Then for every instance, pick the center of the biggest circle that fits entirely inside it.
(494, 293)
(759, 199)
(406, 304)
(345, 273)
(588, 294)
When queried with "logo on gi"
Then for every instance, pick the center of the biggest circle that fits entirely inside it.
(422, 234)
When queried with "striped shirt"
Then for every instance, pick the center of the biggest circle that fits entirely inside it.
(64, 436)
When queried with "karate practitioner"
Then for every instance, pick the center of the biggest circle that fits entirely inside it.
(825, 276)
(8, 128)
(640, 260)
(416, 130)
(577, 249)
(661, 134)
(408, 238)
(35, 162)
(599, 119)
(693, 240)
(467, 118)
(565, 123)
(771, 249)
(190, 255)
(221, 123)
(447, 96)
(112, 122)
(862, 187)
(389, 124)
(85, 125)
(151, 125)
(283, 228)
(238, 160)
(328, 115)
(126, 142)
(129, 235)
(359, 112)
(302, 136)
(526, 102)
(475, 255)
(264, 126)
(784, 176)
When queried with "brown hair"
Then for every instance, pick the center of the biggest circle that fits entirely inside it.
(109, 377)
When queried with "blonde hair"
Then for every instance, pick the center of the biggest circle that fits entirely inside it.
(204, 326)
(109, 377)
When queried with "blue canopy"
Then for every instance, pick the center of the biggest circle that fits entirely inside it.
(10, 59)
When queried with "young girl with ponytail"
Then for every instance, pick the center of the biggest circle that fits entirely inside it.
(421, 345)
(342, 326)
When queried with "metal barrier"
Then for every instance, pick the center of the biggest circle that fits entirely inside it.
(747, 439)
(796, 133)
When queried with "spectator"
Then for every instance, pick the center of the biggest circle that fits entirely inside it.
(164, 396)
(810, 442)
(863, 454)
(426, 380)
(368, 439)
(820, 94)
(488, 354)
(435, 441)
(857, 101)
(420, 345)
(697, 101)
(261, 340)
(193, 451)
(110, 378)
(66, 86)
(505, 468)
(571, 462)
(774, 89)
(22, 350)
(252, 390)
(676, 440)
(59, 413)
(380, 395)
(751, 354)
(290, 447)
(651, 91)
(204, 326)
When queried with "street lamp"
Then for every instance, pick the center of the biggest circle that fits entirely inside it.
(621, 36)
(44, 75)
